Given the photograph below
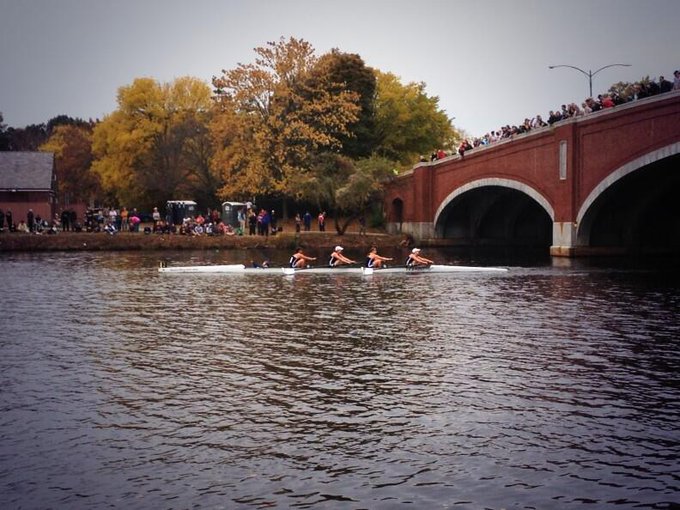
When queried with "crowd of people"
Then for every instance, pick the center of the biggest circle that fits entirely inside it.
(33, 223)
(111, 220)
(639, 90)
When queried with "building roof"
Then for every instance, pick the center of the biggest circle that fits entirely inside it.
(24, 171)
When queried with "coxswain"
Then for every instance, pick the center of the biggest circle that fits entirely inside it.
(374, 260)
(338, 259)
(416, 260)
(299, 260)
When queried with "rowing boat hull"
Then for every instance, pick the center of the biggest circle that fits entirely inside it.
(228, 268)
(287, 271)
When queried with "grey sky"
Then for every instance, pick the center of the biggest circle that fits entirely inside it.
(486, 60)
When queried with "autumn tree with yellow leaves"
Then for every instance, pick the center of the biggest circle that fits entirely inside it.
(273, 117)
(156, 145)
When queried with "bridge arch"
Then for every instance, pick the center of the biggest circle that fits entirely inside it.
(495, 212)
(631, 166)
(504, 183)
(600, 195)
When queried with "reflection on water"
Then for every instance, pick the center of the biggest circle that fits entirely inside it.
(547, 387)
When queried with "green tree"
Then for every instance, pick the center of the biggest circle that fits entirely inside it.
(344, 186)
(409, 122)
(348, 71)
(29, 138)
(273, 116)
(147, 151)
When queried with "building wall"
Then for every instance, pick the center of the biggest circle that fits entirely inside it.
(19, 202)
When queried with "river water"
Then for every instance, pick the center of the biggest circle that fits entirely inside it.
(554, 385)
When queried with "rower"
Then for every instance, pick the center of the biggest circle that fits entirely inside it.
(338, 259)
(374, 260)
(416, 260)
(299, 260)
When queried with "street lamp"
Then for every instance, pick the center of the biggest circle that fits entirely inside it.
(589, 73)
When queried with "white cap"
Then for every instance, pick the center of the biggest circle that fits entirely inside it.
(338, 248)
(415, 250)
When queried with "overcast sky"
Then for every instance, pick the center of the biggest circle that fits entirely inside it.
(487, 61)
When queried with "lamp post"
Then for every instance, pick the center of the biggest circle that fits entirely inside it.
(589, 73)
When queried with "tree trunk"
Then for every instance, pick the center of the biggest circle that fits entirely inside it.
(341, 229)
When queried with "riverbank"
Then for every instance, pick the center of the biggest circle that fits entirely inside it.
(83, 241)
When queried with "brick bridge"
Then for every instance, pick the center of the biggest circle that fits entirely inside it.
(608, 182)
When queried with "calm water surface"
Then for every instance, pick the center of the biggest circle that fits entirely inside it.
(546, 387)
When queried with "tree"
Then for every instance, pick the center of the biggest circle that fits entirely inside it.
(409, 122)
(147, 150)
(273, 116)
(26, 139)
(71, 144)
(344, 186)
(350, 72)
(31, 137)
(4, 138)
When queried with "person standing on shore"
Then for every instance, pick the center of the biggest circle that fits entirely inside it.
(123, 219)
(30, 220)
(65, 221)
(156, 215)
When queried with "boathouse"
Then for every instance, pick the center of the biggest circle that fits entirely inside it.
(28, 181)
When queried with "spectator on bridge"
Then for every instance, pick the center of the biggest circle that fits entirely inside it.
(464, 147)
(564, 112)
(538, 122)
(605, 101)
(664, 85)
(653, 88)
(676, 80)
(554, 117)
(595, 106)
(574, 110)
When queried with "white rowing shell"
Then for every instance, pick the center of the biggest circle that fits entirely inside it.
(289, 271)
